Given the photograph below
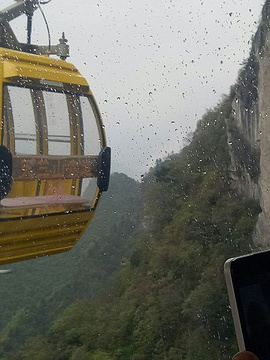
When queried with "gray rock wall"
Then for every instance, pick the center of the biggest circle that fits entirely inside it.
(249, 128)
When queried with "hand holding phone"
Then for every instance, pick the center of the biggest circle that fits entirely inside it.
(245, 355)
(248, 284)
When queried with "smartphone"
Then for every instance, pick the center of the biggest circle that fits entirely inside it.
(248, 283)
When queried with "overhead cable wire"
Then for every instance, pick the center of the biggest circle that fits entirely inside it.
(29, 28)
(46, 22)
(45, 2)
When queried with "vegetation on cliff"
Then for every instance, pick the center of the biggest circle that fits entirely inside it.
(37, 291)
(168, 298)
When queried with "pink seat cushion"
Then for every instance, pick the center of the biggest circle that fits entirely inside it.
(47, 200)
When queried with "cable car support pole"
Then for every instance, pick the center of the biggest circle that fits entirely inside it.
(9, 40)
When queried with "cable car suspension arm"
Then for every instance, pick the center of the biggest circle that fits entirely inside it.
(9, 40)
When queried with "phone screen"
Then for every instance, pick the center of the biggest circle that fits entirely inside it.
(251, 281)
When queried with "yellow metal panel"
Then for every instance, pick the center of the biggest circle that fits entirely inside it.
(22, 65)
(17, 70)
(18, 56)
(28, 238)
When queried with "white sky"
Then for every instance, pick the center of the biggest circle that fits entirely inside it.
(154, 66)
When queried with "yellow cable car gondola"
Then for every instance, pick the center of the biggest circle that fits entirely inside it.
(54, 162)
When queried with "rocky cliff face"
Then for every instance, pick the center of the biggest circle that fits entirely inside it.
(249, 127)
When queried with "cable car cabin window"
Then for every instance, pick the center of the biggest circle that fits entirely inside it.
(90, 130)
(91, 141)
(19, 103)
(58, 123)
(54, 138)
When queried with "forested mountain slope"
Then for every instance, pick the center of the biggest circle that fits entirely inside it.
(36, 292)
(168, 300)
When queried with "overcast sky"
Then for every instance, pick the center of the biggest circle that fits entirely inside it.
(154, 66)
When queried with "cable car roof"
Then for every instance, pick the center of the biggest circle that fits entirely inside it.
(15, 63)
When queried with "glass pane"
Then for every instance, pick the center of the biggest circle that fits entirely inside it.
(58, 123)
(91, 134)
(24, 120)
(89, 187)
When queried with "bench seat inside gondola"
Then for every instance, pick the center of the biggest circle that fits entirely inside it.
(41, 201)
(49, 168)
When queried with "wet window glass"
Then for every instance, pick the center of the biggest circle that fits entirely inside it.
(23, 119)
(91, 139)
(180, 92)
(58, 123)
(56, 149)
